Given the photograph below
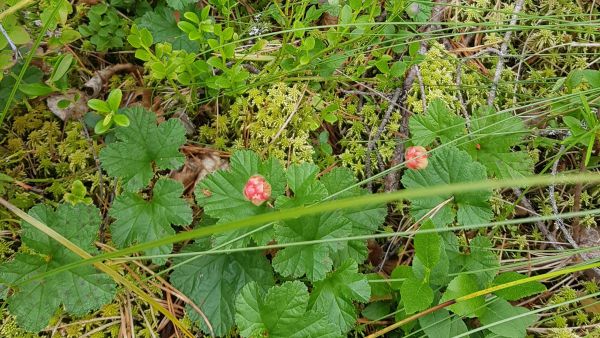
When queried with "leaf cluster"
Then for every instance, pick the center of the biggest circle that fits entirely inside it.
(330, 266)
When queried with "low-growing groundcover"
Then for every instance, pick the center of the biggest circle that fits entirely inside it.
(299, 168)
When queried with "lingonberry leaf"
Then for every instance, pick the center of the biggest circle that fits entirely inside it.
(438, 122)
(280, 313)
(139, 219)
(517, 292)
(221, 194)
(463, 285)
(334, 295)
(341, 183)
(85, 289)
(500, 310)
(214, 281)
(142, 146)
(481, 260)
(493, 139)
(314, 260)
(449, 165)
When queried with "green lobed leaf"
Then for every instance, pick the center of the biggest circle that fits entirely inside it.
(180, 4)
(221, 194)
(32, 75)
(138, 220)
(163, 25)
(449, 165)
(334, 295)
(401, 273)
(463, 285)
(428, 245)
(34, 303)
(416, 294)
(302, 181)
(213, 282)
(516, 292)
(493, 138)
(314, 260)
(441, 324)
(280, 313)
(481, 260)
(498, 310)
(364, 220)
(436, 275)
(438, 122)
(142, 146)
(377, 310)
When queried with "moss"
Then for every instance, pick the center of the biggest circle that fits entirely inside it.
(439, 74)
(562, 333)
(10, 329)
(278, 121)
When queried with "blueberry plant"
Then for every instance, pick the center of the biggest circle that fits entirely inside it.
(299, 168)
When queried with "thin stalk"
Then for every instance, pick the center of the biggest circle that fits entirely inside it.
(331, 206)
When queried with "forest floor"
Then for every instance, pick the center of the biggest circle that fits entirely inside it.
(308, 168)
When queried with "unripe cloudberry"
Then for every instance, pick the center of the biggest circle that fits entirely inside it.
(416, 157)
(257, 190)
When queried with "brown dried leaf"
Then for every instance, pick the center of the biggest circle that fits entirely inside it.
(199, 163)
(97, 82)
(75, 110)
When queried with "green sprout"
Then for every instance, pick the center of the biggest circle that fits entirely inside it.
(109, 109)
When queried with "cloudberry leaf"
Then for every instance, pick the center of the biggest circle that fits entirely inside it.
(440, 324)
(141, 146)
(498, 310)
(463, 285)
(364, 220)
(481, 260)
(301, 179)
(162, 23)
(449, 165)
(437, 123)
(493, 139)
(517, 292)
(214, 281)
(438, 274)
(314, 260)
(34, 303)
(138, 220)
(416, 294)
(180, 4)
(428, 246)
(400, 274)
(334, 295)
(280, 313)
(221, 194)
